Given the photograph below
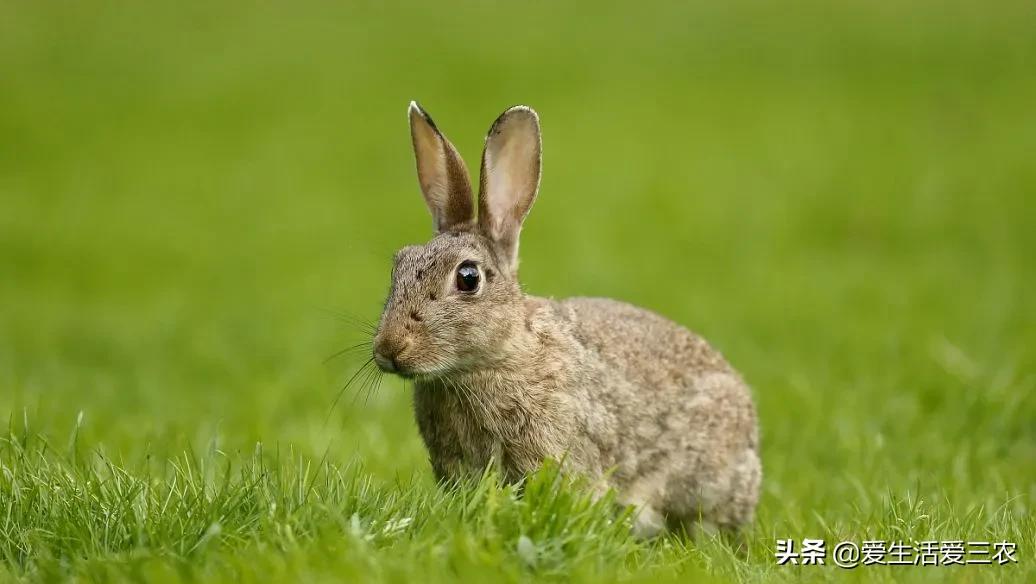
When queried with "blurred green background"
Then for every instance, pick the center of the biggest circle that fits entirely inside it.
(840, 196)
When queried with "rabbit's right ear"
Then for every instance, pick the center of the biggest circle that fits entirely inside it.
(510, 179)
(441, 172)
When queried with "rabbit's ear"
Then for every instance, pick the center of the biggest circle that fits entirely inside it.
(510, 179)
(441, 172)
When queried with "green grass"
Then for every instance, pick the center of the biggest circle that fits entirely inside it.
(840, 196)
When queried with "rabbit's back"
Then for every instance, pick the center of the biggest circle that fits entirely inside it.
(640, 343)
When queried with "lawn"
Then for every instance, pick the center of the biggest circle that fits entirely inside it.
(199, 206)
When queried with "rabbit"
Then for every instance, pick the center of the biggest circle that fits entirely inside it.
(617, 393)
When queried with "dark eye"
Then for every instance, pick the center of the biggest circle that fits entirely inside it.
(468, 277)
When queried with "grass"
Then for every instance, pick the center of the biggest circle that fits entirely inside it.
(840, 197)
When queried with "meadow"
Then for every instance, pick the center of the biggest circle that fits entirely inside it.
(199, 204)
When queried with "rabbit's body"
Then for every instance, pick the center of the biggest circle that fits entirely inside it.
(632, 400)
(649, 409)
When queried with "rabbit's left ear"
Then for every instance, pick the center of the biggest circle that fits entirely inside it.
(510, 179)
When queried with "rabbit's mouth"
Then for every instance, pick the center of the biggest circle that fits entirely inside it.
(395, 366)
(389, 363)
(399, 358)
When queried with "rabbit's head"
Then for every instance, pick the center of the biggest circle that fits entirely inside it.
(455, 300)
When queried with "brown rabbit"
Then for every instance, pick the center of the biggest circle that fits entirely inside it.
(632, 400)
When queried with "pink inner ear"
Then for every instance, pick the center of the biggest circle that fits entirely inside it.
(511, 173)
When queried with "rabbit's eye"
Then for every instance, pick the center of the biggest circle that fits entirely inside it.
(468, 277)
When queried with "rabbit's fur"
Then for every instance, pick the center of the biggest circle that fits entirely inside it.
(619, 394)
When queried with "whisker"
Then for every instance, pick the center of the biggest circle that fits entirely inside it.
(341, 392)
(356, 321)
(354, 348)
(374, 385)
(365, 382)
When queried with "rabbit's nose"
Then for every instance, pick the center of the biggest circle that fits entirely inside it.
(387, 349)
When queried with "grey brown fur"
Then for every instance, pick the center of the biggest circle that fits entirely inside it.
(633, 401)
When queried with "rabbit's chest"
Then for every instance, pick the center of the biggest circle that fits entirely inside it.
(463, 437)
